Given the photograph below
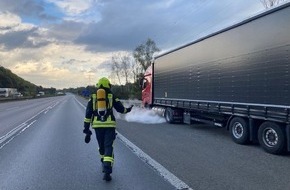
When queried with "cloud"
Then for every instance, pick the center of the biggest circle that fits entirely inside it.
(16, 39)
(15, 34)
(34, 71)
(25, 68)
(73, 7)
(65, 30)
(43, 69)
(57, 65)
(69, 43)
(33, 9)
(122, 27)
(170, 23)
(8, 20)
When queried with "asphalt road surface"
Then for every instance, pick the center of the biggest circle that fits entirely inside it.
(41, 147)
(49, 152)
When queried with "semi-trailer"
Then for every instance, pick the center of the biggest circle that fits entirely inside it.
(238, 78)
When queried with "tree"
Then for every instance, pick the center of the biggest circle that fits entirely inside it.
(126, 67)
(116, 71)
(11, 80)
(143, 53)
(270, 3)
(122, 65)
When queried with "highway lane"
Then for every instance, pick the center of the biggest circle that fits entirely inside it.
(206, 158)
(50, 153)
(12, 114)
(201, 156)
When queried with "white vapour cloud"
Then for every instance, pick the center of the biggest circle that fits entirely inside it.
(141, 115)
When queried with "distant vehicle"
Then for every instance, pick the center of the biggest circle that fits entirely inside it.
(40, 93)
(59, 93)
(17, 94)
(238, 78)
(7, 92)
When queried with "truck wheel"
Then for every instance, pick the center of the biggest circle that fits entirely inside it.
(239, 130)
(272, 138)
(169, 115)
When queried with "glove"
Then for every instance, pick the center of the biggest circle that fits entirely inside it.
(88, 133)
(129, 109)
(87, 139)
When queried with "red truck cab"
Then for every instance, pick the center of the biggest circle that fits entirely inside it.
(146, 84)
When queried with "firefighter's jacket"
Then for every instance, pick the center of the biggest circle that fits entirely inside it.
(92, 111)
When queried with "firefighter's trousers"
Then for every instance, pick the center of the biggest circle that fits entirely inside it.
(105, 138)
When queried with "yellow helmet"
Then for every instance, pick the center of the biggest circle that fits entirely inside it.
(103, 82)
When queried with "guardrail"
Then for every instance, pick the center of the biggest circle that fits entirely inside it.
(8, 99)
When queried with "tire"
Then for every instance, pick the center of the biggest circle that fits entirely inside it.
(239, 129)
(169, 115)
(271, 138)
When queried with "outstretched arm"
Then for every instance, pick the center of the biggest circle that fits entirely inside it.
(119, 106)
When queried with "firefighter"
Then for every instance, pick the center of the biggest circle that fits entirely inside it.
(99, 115)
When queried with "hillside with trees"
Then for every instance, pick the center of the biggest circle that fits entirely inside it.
(11, 80)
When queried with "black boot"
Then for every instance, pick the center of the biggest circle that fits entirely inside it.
(107, 177)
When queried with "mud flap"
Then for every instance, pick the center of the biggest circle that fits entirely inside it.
(187, 118)
(253, 131)
(251, 127)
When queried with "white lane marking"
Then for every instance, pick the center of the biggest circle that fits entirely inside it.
(19, 132)
(166, 174)
(23, 126)
(13, 131)
(28, 126)
(7, 142)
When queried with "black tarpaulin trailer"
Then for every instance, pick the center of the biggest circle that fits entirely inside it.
(238, 77)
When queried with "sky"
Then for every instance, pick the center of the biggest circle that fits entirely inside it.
(70, 43)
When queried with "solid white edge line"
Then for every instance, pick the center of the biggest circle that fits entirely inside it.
(80, 103)
(167, 175)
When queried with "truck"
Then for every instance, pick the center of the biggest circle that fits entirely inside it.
(7, 92)
(237, 78)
